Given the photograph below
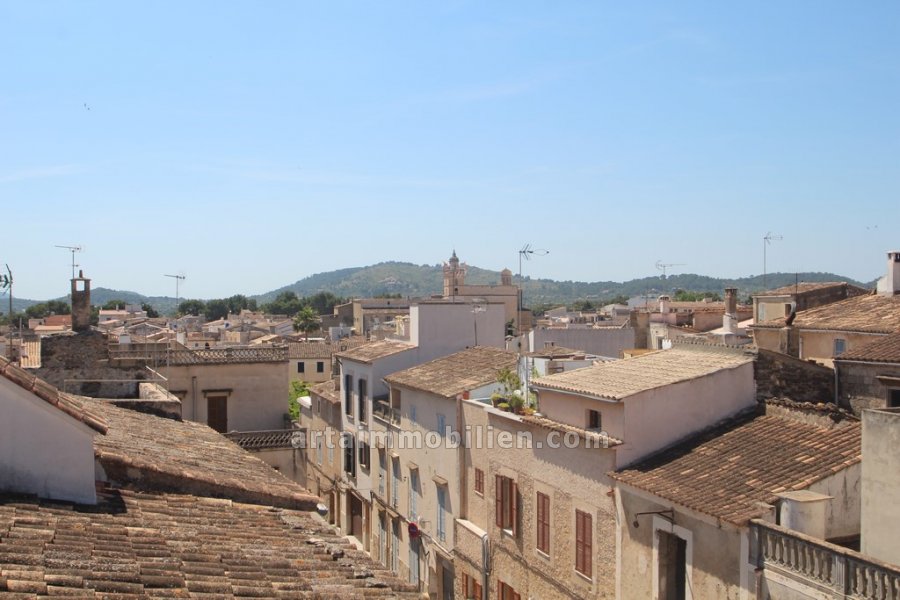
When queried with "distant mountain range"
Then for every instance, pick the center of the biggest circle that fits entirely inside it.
(413, 280)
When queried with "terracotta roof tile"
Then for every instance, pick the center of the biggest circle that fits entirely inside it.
(329, 390)
(599, 439)
(869, 313)
(372, 351)
(456, 373)
(163, 454)
(884, 349)
(297, 350)
(138, 545)
(69, 404)
(616, 380)
(805, 287)
(726, 471)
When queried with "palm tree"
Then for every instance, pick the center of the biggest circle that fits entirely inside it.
(306, 321)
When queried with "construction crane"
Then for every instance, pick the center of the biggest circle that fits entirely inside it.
(73, 250)
(178, 279)
(663, 266)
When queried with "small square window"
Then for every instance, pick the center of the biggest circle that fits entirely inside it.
(320, 367)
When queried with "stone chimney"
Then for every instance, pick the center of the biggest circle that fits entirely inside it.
(891, 281)
(730, 318)
(81, 303)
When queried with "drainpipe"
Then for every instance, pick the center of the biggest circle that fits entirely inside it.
(485, 567)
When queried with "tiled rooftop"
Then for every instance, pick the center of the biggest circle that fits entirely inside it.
(139, 545)
(298, 350)
(884, 349)
(728, 470)
(372, 351)
(619, 379)
(457, 373)
(163, 454)
(262, 440)
(555, 352)
(803, 287)
(869, 313)
(229, 355)
(596, 438)
(69, 404)
(329, 390)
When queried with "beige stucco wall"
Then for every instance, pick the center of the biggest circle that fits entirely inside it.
(257, 396)
(656, 418)
(819, 345)
(310, 374)
(573, 478)
(442, 328)
(715, 558)
(880, 519)
(42, 450)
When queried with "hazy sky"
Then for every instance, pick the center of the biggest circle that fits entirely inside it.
(249, 145)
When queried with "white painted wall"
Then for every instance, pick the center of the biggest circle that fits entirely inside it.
(442, 328)
(842, 512)
(43, 451)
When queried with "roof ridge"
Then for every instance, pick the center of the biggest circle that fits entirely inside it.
(52, 395)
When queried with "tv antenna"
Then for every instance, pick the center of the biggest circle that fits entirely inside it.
(526, 252)
(663, 266)
(178, 279)
(73, 250)
(768, 239)
(6, 282)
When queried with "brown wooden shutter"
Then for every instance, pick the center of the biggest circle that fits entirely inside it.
(579, 540)
(588, 544)
(514, 507)
(498, 481)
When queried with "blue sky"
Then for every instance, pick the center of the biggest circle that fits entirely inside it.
(249, 145)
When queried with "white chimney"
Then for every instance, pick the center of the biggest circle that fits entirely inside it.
(890, 284)
(664, 304)
(730, 318)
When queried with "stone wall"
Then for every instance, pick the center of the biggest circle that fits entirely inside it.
(782, 376)
(859, 386)
(80, 364)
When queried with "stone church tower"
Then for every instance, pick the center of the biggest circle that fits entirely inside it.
(454, 276)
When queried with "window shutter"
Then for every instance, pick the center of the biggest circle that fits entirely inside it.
(498, 517)
(579, 540)
(588, 543)
(514, 507)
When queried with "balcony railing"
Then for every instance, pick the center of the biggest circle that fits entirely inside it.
(382, 410)
(844, 573)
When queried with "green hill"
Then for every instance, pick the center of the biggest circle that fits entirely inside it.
(411, 280)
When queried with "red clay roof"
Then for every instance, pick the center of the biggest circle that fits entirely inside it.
(139, 545)
(883, 350)
(727, 471)
(869, 313)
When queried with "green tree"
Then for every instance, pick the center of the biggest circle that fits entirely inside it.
(306, 321)
(686, 296)
(583, 305)
(239, 302)
(285, 303)
(148, 308)
(192, 307)
(297, 389)
(114, 305)
(215, 310)
(45, 309)
(323, 303)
